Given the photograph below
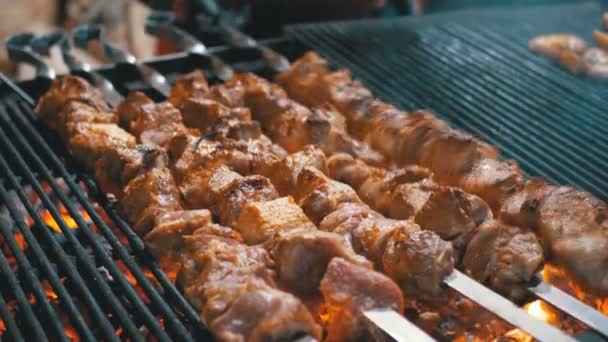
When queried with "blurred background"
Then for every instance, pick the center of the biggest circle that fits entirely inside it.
(262, 18)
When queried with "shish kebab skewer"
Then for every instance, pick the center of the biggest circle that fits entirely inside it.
(88, 131)
(153, 157)
(190, 85)
(134, 187)
(251, 205)
(495, 181)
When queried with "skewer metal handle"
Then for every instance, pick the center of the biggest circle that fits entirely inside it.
(86, 33)
(19, 50)
(275, 60)
(45, 42)
(161, 24)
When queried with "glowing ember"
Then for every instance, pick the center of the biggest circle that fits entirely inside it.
(69, 220)
(539, 310)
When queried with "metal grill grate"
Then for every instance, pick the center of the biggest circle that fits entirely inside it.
(84, 267)
(481, 77)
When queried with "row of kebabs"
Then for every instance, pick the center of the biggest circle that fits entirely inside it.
(163, 175)
(211, 154)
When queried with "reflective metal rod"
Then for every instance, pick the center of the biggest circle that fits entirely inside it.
(572, 306)
(505, 309)
(396, 326)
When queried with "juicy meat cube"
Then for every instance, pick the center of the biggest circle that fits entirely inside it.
(505, 257)
(574, 232)
(302, 256)
(157, 123)
(319, 195)
(406, 200)
(241, 191)
(167, 237)
(453, 154)
(204, 114)
(344, 168)
(418, 260)
(417, 128)
(349, 290)
(522, 208)
(91, 140)
(192, 84)
(203, 187)
(75, 112)
(229, 94)
(265, 315)
(117, 166)
(259, 221)
(130, 109)
(553, 45)
(284, 173)
(453, 215)
(493, 180)
(65, 90)
(148, 195)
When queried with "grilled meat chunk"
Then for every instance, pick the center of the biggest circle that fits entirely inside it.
(572, 227)
(259, 221)
(504, 257)
(454, 215)
(348, 290)
(89, 141)
(65, 90)
(205, 114)
(417, 260)
(148, 195)
(75, 112)
(233, 285)
(238, 193)
(554, 45)
(116, 167)
(265, 315)
(166, 239)
(319, 195)
(304, 255)
(493, 180)
(152, 123)
(293, 126)
(190, 85)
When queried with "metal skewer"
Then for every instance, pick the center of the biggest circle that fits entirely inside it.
(42, 45)
(161, 25)
(19, 51)
(82, 35)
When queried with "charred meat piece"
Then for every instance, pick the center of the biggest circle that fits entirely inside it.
(157, 124)
(204, 114)
(454, 154)
(233, 285)
(259, 221)
(75, 112)
(65, 90)
(319, 195)
(89, 141)
(130, 109)
(406, 200)
(453, 215)
(504, 257)
(190, 85)
(147, 196)
(238, 193)
(117, 166)
(494, 181)
(574, 232)
(304, 255)
(202, 187)
(166, 239)
(522, 208)
(348, 290)
(417, 260)
(265, 315)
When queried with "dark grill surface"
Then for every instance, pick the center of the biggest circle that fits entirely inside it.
(474, 70)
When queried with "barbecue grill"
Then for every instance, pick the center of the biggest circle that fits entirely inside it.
(71, 268)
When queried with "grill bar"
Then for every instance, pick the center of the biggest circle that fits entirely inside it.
(59, 255)
(172, 320)
(11, 327)
(22, 301)
(86, 261)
